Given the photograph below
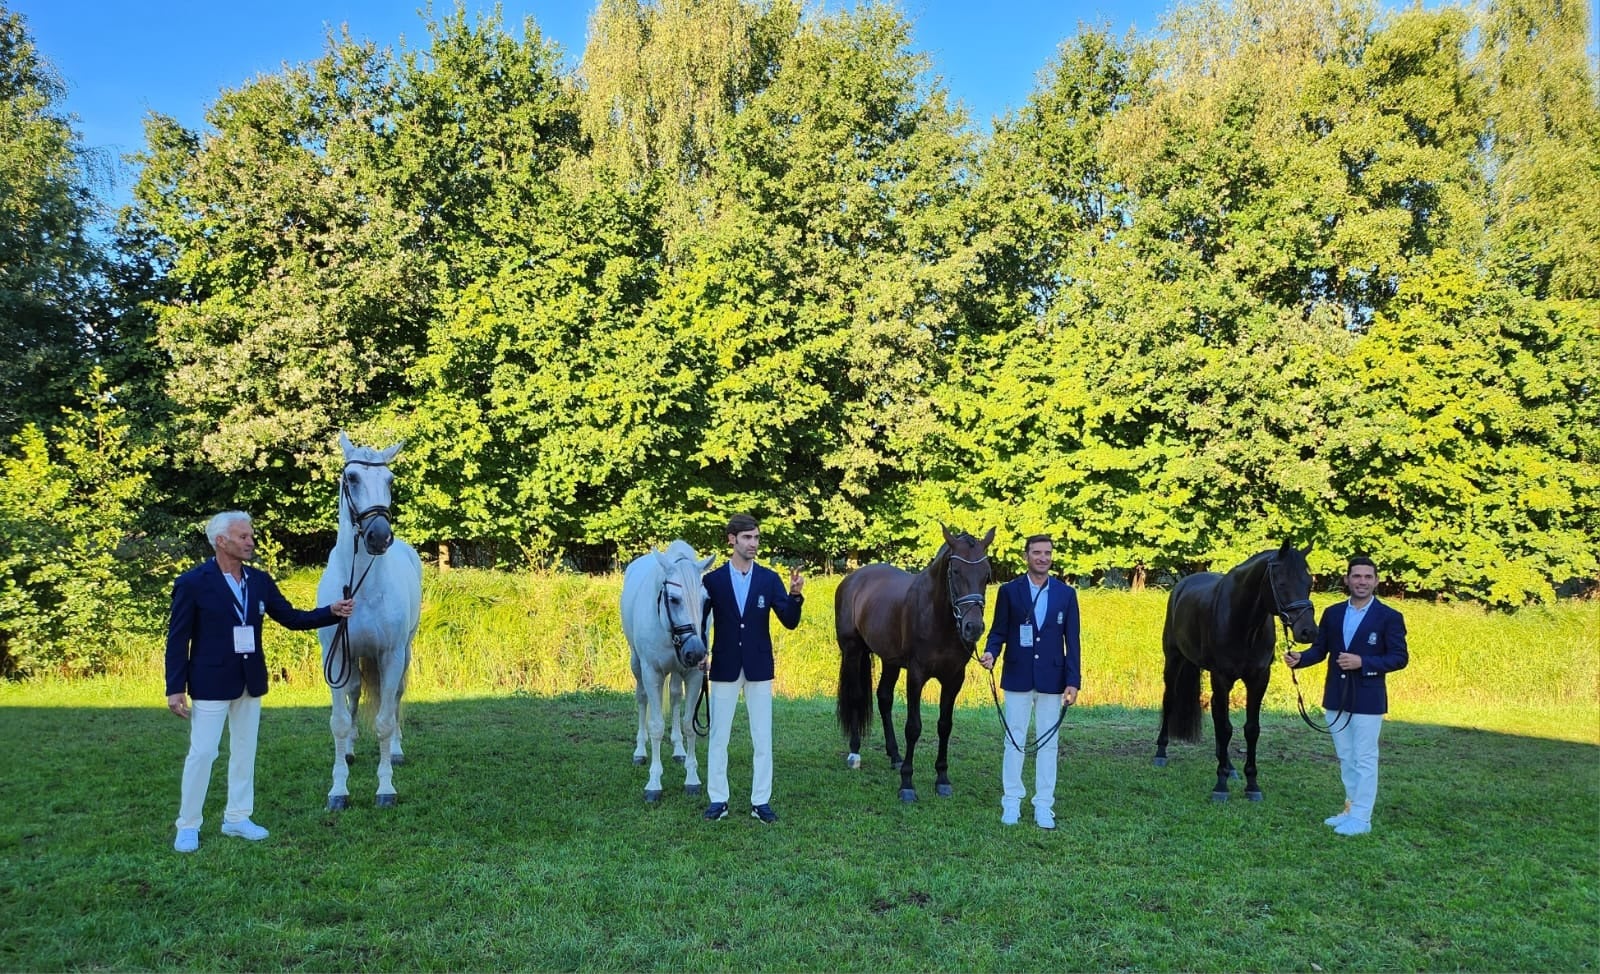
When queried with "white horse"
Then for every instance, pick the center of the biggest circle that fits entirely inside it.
(374, 649)
(663, 605)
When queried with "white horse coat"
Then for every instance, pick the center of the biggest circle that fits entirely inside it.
(663, 606)
(387, 577)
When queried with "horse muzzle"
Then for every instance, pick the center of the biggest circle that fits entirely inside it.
(377, 536)
(971, 630)
(691, 652)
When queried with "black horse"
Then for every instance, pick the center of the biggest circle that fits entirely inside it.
(925, 624)
(1224, 624)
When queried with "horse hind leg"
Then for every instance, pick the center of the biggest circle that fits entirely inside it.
(1180, 703)
(886, 684)
(641, 699)
(675, 715)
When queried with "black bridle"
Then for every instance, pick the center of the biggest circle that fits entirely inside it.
(1298, 607)
(336, 667)
(959, 604)
(681, 631)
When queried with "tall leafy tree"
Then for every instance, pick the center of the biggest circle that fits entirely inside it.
(51, 303)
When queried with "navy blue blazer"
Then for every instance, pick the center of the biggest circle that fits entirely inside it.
(1051, 664)
(200, 656)
(744, 642)
(1380, 641)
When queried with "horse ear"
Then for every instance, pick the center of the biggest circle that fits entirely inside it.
(705, 563)
(948, 537)
(389, 454)
(661, 557)
(988, 538)
(345, 444)
(1286, 547)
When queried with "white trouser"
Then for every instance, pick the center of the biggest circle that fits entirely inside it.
(758, 708)
(206, 717)
(1355, 740)
(1046, 710)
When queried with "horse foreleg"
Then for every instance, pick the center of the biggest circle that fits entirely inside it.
(642, 700)
(685, 730)
(886, 681)
(654, 684)
(1255, 690)
(948, 689)
(391, 672)
(1221, 688)
(908, 793)
(342, 723)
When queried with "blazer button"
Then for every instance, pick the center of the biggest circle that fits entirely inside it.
(741, 625)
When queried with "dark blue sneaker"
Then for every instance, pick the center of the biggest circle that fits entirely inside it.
(715, 810)
(764, 813)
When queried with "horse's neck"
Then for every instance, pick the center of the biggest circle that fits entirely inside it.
(1249, 591)
(937, 576)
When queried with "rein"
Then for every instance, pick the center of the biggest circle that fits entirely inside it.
(336, 666)
(1282, 611)
(680, 633)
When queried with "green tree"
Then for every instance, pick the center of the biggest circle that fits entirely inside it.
(49, 301)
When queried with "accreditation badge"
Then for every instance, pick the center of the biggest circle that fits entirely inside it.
(1025, 636)
(244, 639)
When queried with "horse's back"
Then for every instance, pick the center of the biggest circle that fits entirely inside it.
(1189, 626)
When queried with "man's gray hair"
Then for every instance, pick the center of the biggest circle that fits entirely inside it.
(220, 523)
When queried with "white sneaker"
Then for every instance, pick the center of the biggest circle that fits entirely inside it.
(1339, 819)
(1008, 816)
(1351, 826)
(188, 840)
(1045, 820)
(244, 829)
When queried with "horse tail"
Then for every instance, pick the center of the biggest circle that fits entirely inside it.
(371, 684)
(1184, 694)
(855, 667)
(855, 687)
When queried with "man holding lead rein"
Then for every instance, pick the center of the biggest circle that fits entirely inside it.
(1036, 618)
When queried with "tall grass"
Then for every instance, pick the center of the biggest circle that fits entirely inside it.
(546, 633)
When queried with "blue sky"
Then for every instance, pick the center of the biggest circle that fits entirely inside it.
(121, 59)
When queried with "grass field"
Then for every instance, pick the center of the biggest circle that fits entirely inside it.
(521, 841)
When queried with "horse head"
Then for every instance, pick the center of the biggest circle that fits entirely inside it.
(1290, 579)
(365, 487)
(967, 576)
(684, 598)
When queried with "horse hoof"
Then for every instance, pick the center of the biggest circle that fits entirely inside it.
(1219, 796)
(1255, 796)
(691, 790)
(338, 803)
(677, 759)
(853, 762)
(1159, 762)
(387, 801)
(652, 796)
(638, 760)
(944, 791)
(908, 795)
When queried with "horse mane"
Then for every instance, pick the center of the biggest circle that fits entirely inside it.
(680, 550)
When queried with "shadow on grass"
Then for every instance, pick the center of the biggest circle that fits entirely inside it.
(522, 841)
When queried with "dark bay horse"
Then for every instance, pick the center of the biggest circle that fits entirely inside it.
(1223, 623)
(925, 624)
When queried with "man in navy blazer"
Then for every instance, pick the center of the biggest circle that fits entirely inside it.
(740, 597)
(214, 656)
(1363, 640)
(1036, 618)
